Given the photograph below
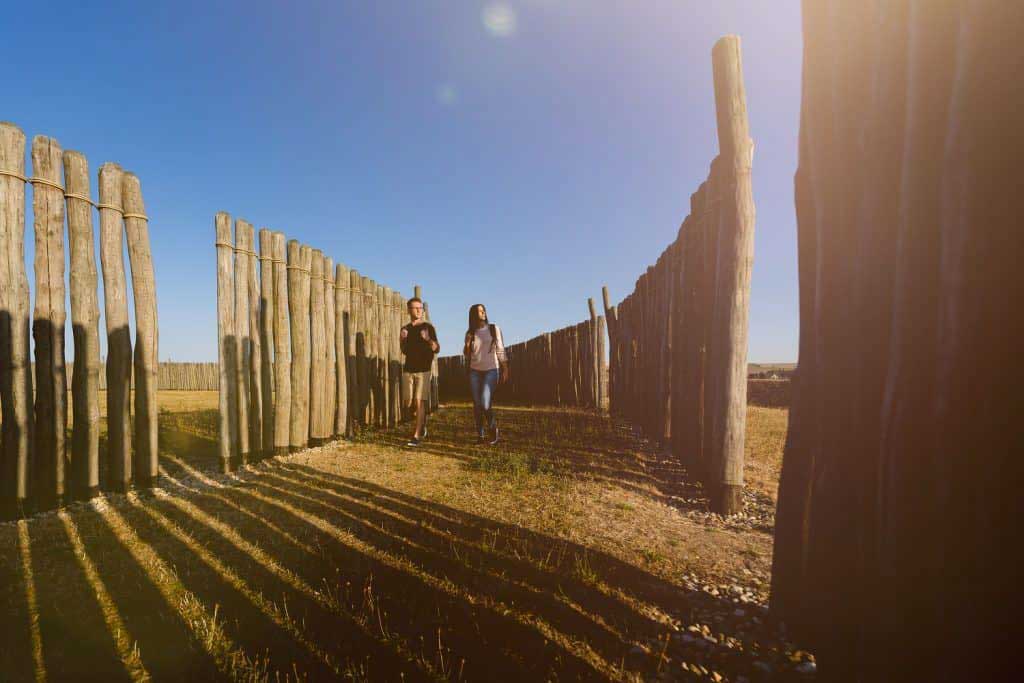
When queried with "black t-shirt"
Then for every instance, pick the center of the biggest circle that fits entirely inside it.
(418, 353)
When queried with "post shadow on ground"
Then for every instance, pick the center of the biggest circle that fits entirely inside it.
(453, 559)
(260, 635)
(623, 578)
(492, 643)
(337, 633)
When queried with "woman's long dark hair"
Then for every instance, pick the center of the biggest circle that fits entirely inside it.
(474, 318)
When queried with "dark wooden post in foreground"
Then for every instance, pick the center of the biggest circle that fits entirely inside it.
(48, 320)
(146, 464)
(343, 321)
(15, 366)
(282, 349)
(85, 319)
(227, 348)
(119, 343)
(267, 347)
(900, 498)
(299, 260)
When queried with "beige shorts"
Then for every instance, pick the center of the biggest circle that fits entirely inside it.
(413, 384)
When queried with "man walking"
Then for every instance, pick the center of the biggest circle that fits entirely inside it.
(419, 344)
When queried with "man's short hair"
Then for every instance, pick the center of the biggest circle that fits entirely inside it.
(414, 300)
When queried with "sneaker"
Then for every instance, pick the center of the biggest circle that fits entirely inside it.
(413, 442)
(424, 433)
(494, 435)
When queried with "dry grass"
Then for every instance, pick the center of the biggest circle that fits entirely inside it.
(573, 550)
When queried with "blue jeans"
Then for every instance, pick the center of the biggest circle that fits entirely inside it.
(482, 384)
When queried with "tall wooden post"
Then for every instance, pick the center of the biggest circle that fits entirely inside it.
(256, 349)
(735, 256)
(119, 343)
(48, 322)
(318, 351)
(140, 255)
(330, 341)
(227, 346)
(85, 319)
(243, 371)
(357, 351)
(266, 321)
(282, 349)
(15, 367)
(341, 343)
(369, 328)
(694, 314)
(299, 262)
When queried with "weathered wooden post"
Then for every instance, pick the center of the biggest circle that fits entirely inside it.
(299, 262)
(727, 367)
(679, 345)
(243, 371)
(318, 351)
(357, 348)
(369, 327)
(614, 341)
(48, 322)
(15, 366)
(282, 349)
(595, 360)
(119, 343)
(331, 350)
(695, 315)
(227, 346)
(256, 350)
(85, 319)
(140, 256)
(342, 320)
(266, 321)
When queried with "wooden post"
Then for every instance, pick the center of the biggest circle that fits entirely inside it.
(341, 343)
(595, 358)
(386, 369)
(299, 262)
(146, 354)
(267, 346)
(15, 366)
(611, 316)
(282, 349)
(227, 346)
(243, 374)
(357, 350)
(694, 314)
(679, 346)
(318, 351)
(48, 322)
(330, 343)
(735, 256)
(85, 319)
(256, 351)
(369, 332)
(119, 343)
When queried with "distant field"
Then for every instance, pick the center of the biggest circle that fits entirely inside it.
(571, 550)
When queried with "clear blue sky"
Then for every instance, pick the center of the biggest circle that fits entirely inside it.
(519, 154)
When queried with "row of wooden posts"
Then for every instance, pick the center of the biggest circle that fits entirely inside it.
(566, 367)
(35, 413)
(308, 349)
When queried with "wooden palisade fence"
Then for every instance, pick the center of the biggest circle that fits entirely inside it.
(40, 471)
(308, 349)
(900, 499)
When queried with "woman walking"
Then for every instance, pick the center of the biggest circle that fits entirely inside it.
(485, 351)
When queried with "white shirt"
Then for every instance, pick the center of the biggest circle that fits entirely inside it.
(483, 357)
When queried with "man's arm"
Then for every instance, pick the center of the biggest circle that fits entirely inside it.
(403, 342)
(433, 339)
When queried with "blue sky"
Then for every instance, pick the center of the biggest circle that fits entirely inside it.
(519, 154)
